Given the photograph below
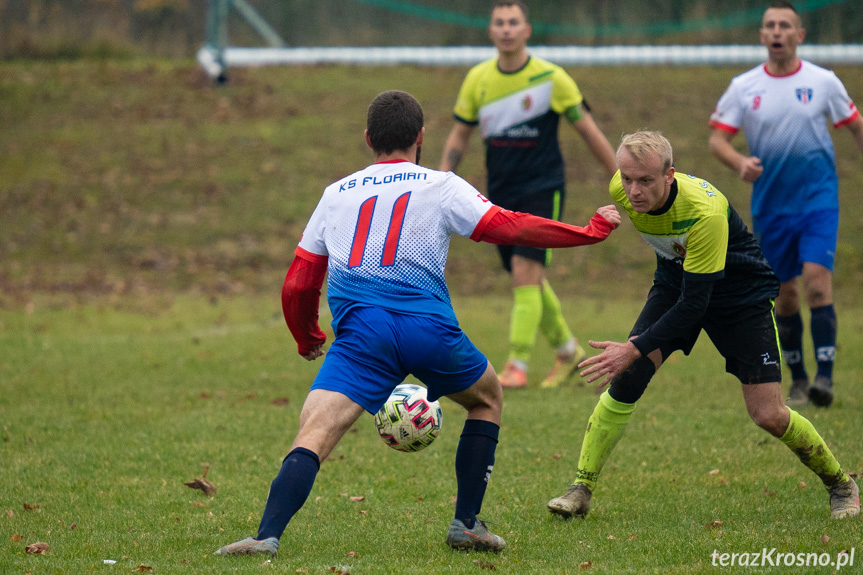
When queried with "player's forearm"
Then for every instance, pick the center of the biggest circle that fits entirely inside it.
(856, 128)
(686, 313)
(515, 228)
(597, 143)
(301, 296)
(721, 147)
(455, 147)
(451, 159)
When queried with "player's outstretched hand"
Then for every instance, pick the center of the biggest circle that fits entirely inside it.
(314, 353)
(614, 359)
(610, 213)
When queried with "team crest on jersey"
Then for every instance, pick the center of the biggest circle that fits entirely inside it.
(804, 94)
(679, 249)
(526, 103)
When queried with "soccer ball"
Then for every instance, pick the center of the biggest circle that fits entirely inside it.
(408, 421)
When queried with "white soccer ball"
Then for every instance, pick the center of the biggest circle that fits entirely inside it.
(408, 421)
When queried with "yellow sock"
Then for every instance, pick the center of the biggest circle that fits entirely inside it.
(605, 427)
(553, 325)
(524, 322)
(802, 438)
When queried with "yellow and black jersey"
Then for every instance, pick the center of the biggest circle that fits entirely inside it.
(518, 114)
(698, 236)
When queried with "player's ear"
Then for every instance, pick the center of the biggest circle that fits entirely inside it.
(368, 140)
(669, 176)
(419, 136)
(801, 34)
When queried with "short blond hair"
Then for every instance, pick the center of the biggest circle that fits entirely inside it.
(645, 143)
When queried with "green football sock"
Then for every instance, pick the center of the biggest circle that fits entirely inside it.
(524, 322)
(553, 325)
(802, 438)
(604, 429)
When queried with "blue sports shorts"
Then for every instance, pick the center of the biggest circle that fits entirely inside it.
(789, 240)
(375, 349)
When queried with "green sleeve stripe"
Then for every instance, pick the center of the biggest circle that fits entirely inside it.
(541, 75)
(574, 114)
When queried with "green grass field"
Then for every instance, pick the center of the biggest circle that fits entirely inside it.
(147, 222)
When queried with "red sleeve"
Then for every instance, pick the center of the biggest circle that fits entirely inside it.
(519, 229)
(301, 296)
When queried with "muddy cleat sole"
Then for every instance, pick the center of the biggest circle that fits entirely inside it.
(821, 392)
(798, 395)
(845, 500)
(251, 546)
(565, 367)
(574, 503)
(477, 539)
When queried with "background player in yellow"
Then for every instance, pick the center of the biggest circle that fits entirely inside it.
(517, 100)
(710, 275)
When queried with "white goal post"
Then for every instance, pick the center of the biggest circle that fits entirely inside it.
(216, 56)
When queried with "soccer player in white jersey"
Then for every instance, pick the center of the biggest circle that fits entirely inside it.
(383, 234)
(783, 107)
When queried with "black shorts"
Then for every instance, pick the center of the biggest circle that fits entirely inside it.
(547, 204)
(746, 336)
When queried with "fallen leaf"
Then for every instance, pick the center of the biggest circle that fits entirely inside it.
(769, 493)
(303, 570)
(556, 456)
(358, 498)
(143, 568)
(38, 548)
(420, 499)
(713, 472)
(612, 537)
(10, 513)
(713, 525)
(802, 485)
(352, 553)
(197, 504)
(29, 507)
(585, 565)
(484, 564)
(202, 482)
(73, 526)
(205, 395)
(633, 537)
(825, 539)
(364, 512)
(15, 538)
(281, 401)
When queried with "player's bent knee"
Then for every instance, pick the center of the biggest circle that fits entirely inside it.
(629, 386)
(772, 420)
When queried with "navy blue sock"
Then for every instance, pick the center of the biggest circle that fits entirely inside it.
(791, 339)
(824, 338)
(474, 460)
(288, 491)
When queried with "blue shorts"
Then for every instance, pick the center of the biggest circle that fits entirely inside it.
(789, 240)
(375, 349)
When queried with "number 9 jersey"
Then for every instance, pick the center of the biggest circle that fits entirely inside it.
(386, 231)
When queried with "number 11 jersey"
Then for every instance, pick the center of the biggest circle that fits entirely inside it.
(386, 231)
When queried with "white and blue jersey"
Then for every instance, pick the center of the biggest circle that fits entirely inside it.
(785, 120)
(386, 230)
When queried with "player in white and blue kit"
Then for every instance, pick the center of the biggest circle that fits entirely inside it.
(783, 107)
(382, 236)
